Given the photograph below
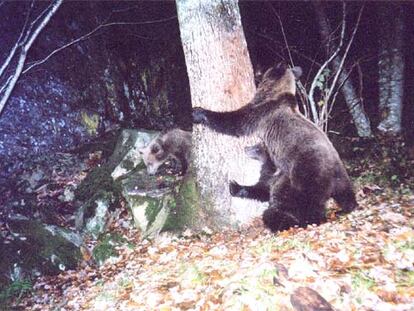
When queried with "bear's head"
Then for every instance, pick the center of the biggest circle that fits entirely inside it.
(154, 155)
(278, 80)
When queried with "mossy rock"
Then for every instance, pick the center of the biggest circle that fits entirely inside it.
(39, 247)
(126, 156)
(160, 203)
(98, 181)
(93, 215)
(184, 207)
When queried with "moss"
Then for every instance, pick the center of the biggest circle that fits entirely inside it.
(128, 165)
(17, 289)
(40, 246)
(99, 179)
(106, 248)
(151, 211)
(90, 121)
(184, 206)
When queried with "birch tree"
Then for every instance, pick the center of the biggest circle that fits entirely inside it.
(391, 66)
(353, 102)
(16, 58)
(221, 78)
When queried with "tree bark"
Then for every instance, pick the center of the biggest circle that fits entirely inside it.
(221, 78)
(391, 66)
(353, 102)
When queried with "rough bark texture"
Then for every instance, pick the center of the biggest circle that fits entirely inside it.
(221, 79)
(391, 66)
(353, 102)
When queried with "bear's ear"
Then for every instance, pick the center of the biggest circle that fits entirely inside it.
(297, 72)
(275, 72)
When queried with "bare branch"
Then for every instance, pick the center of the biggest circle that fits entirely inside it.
(283, 33)
(325, 64)
(338, 72)
(23, 53)
(89, 34)
(289, 48)
(17, 44)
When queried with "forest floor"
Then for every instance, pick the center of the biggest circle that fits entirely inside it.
(363, 261)
(360, 261)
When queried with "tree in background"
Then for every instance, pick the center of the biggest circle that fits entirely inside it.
(391, 66)
(221, 78)
(13, 65)
(353, 101)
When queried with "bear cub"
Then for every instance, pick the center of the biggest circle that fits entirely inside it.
(174, 143)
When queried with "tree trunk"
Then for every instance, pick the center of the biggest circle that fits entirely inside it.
(391, 66)
(24, 44)
(221, 79)
(353, 102)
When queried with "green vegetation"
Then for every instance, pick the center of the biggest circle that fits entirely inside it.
(184, 206)
(91, 122)
(98, 181)
(361, 281)
(106, 248)
(17, 289)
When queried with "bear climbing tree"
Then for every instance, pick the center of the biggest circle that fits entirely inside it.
(312, 170)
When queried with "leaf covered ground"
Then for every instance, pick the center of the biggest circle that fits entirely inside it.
(362, 261)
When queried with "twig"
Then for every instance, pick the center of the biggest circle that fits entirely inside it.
(283, 33)
(345, 54)
(324, 65)
(86, 36)
(291, 49)
(25, 48)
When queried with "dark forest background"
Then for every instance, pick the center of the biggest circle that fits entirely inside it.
(132, 73)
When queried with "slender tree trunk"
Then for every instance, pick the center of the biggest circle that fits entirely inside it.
(221, 78)
(23, 46)
(353, 102)
(391, 66)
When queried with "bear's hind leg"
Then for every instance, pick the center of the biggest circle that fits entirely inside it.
(278, 220)
(346, 200)
(283, 210)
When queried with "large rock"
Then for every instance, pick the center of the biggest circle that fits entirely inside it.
(97, 194)
(156, 203)
(126, 156)
(39, 248)
(92, 217)
(160, 203)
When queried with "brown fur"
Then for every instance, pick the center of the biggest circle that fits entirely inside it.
(174, 143)
(312, 170)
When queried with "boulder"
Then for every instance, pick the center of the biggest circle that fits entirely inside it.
(159, 203)
(35, 248)
(126, 156)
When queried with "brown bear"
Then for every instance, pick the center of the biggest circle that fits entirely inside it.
(312, 170)
(174, 143)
